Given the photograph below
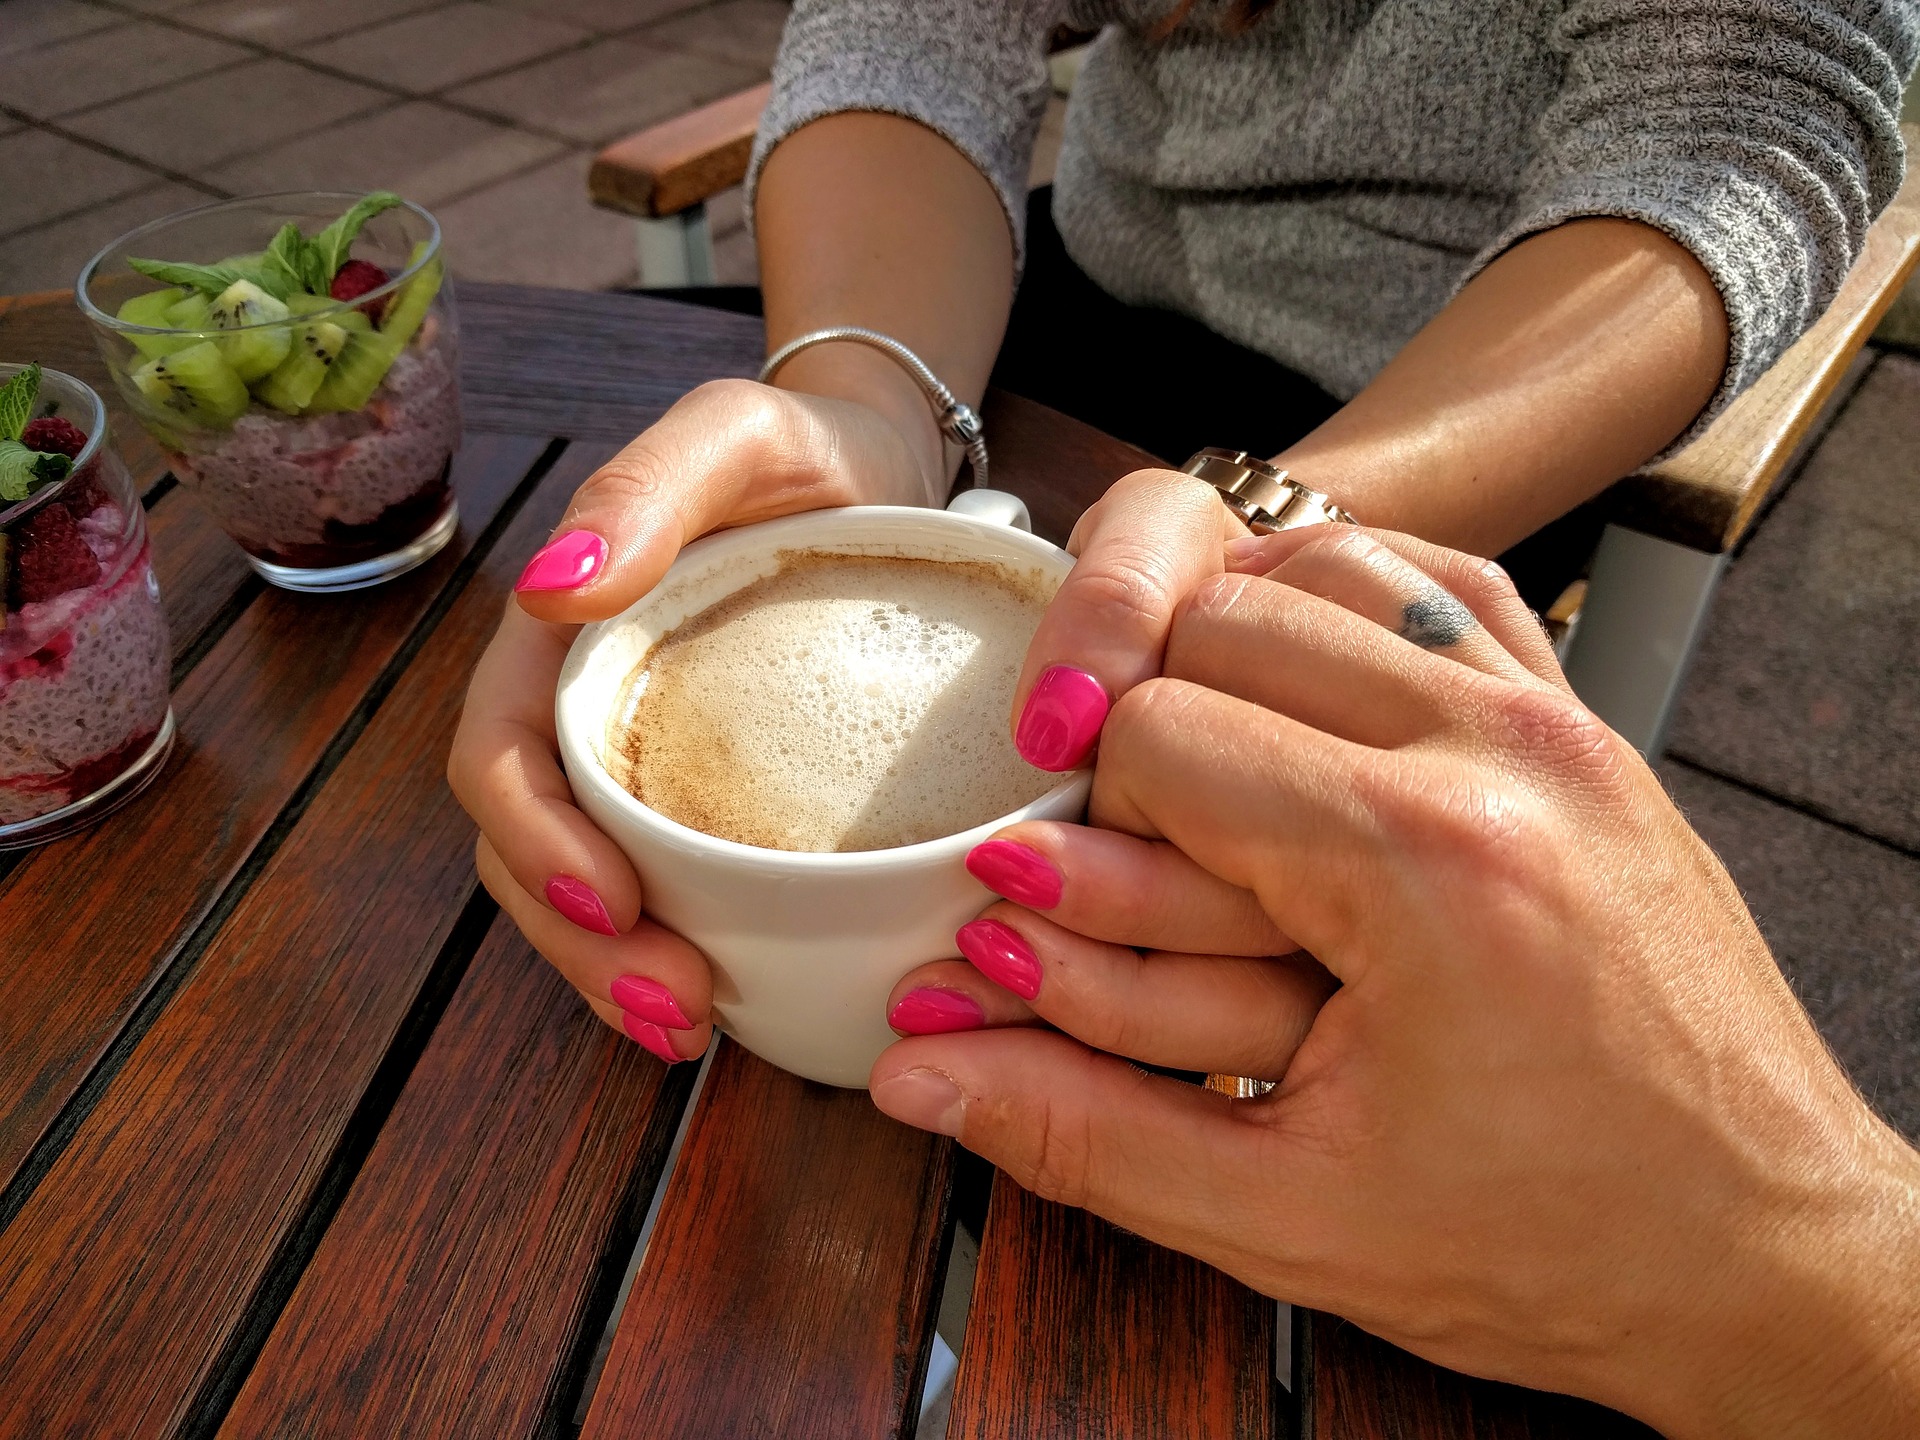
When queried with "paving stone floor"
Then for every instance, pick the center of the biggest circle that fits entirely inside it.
(113, 112)
(1797, 747)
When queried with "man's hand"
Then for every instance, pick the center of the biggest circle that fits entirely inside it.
(1561, 1122)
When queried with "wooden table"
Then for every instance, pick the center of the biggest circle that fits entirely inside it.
(299, 1138)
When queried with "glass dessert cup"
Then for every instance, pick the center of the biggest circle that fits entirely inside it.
(320, 438)
(85, 721)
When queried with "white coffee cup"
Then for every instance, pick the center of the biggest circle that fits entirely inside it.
(805, 947)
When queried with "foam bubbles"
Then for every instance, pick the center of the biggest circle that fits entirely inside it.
(842, 703)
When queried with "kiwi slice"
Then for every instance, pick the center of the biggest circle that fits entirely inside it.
(151, 309)
(259, 342)
(407, 308)
(193, 384)
(295, 380)
(345, 316)
(357, 373)
(191, 312)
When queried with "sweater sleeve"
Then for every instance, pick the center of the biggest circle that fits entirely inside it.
(1762, 135)
(975, 71)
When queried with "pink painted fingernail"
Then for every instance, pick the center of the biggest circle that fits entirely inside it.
(577, 900)
(652, 1036)
(564, 563)
(650, 1000)
(931, 1011)
(999, 953)
(925, 1099)
(1062, 718)
(1019, 872)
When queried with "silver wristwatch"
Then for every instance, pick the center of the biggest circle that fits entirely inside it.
(1263, 497)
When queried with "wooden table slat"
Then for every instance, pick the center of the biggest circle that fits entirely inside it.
(203, 575)
(1354, 1386)
(790, 1283)
(461, 1288)
(255, 716)
(1080, 1331)
(128, 1278)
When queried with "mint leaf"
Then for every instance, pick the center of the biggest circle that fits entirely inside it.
(16, 402)
(288, 263)
(335, 243)
(23, 471)
(210, 280)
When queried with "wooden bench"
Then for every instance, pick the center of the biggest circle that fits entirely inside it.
(1671, 528)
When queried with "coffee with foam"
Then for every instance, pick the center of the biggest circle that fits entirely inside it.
(844, 702)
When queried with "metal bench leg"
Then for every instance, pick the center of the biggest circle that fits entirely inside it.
(675, 250)
(1629, 650)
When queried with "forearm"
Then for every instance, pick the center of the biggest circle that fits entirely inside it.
(867, 219)
(1570, 360)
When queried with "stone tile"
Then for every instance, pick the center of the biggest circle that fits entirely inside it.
(746, 32)
(424, 151)
(201, 122)
(283, 24)
(1843, 917)
(604, 17)
(1807, 683)
(32, 23)
(48, 177)
(602, 93)
(429, 52)
(540, 229)
(49, 257)
(93, 69)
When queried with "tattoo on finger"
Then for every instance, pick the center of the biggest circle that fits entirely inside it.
(1435, 621)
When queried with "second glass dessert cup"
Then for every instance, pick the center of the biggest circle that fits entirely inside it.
(85, 721)
(318, 431)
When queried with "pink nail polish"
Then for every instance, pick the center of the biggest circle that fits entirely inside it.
(576, 900)
(652, 1036)
(999, 953)
(1017, 871)
(650, 1000)
(931, 1011)
(1062, 718)
(925, 1099)
(564, 563)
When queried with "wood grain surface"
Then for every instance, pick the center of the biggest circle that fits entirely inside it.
(461, 1288)
(668, 167)
(790, 1283)
(1052, 461)
(590, 367)
(130, 1278)
(1352, 1386)
(1080, 1331)
(256, 715)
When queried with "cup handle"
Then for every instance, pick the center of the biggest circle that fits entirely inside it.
(995, 505)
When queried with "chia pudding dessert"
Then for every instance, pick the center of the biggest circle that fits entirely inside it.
(306, 392)
(84, 654)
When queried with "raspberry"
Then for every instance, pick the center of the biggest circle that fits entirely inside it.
(48, 556)
(84, 494)
(355, 279)
(51, 435)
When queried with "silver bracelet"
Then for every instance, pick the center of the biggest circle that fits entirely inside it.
(956, 419)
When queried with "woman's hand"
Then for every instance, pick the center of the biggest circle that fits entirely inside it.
(730, 453)
(1143, 545)
(1562, 1123)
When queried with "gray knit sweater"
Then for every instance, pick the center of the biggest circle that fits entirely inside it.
(1320, 185)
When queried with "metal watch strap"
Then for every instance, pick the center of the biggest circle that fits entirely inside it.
(1263, 497)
